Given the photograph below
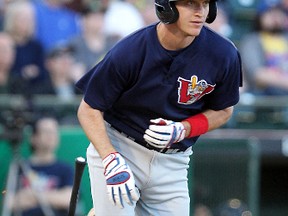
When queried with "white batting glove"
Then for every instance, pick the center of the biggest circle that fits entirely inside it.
(163, 133)
(120, 180)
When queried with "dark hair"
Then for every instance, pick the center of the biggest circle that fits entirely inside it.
(257, 25)
(35, 122)
(88, 10)
(34, 128)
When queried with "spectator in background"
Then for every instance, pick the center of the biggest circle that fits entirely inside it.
(97, 5)
(61, 75)
(221, 24)
(55, 23)
(45, 183)
(76, 5)
(265, 52)
(91, 45)
(121, 19)
(29, 61)
(148, 12)
(284, 4)
(7, 56)
(203, 210)
(60, 66)
(3, 4)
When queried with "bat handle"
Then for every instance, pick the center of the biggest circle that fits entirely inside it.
(80, 164)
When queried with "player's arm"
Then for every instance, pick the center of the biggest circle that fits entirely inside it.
(119, 178)
(93, 125)
(163, 133)
(215, 119)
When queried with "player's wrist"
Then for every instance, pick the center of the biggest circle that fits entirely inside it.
(187, 128)
(106, 160)
(106, 150)
(110, 153)
(196, 125)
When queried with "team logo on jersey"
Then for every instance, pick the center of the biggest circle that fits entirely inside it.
(192, 90)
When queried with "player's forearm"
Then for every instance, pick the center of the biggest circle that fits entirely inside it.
(93, 125)
(215, 119)
(218, 118)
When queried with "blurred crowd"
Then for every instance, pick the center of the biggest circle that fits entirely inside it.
(47, 45)
(263, 48)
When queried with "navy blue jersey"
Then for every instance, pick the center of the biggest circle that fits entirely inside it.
(139, 80)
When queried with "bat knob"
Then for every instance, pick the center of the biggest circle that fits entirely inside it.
(80, 160)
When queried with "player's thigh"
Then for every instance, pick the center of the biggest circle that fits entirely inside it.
(178, 205)
(167, 193)
(101, 203)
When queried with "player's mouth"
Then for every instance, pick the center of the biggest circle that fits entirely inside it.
(197, 23)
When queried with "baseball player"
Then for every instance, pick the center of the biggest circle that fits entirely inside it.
(147, 102)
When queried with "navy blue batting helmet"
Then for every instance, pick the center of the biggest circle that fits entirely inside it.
(168, 13)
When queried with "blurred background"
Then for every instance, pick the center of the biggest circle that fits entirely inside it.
(240, 169)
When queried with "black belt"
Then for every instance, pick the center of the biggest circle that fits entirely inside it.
(161, 150)
(147, 145)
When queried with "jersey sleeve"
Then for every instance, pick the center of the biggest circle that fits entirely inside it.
(101, 94)
(226, 93)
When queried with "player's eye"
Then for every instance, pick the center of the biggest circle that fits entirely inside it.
(191, 3)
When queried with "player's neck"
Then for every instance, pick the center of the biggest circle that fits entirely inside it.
(172, 38)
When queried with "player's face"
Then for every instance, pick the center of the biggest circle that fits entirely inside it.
(192, 15)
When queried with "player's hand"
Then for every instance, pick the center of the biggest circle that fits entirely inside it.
(120, 180)
(163, 133)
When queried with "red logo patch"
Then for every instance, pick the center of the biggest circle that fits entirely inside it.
(190, 91)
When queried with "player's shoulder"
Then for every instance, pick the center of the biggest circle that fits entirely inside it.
(217, 47)
(217, 42)
(133, 47)
(136, 39)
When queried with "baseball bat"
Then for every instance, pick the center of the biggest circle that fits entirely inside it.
(80, 164)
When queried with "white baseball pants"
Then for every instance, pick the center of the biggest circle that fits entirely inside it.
(161, 179)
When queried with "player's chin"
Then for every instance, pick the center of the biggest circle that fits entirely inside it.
(194, 30)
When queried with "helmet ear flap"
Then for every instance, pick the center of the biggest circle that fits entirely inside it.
(166, 11)
(212, 12)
